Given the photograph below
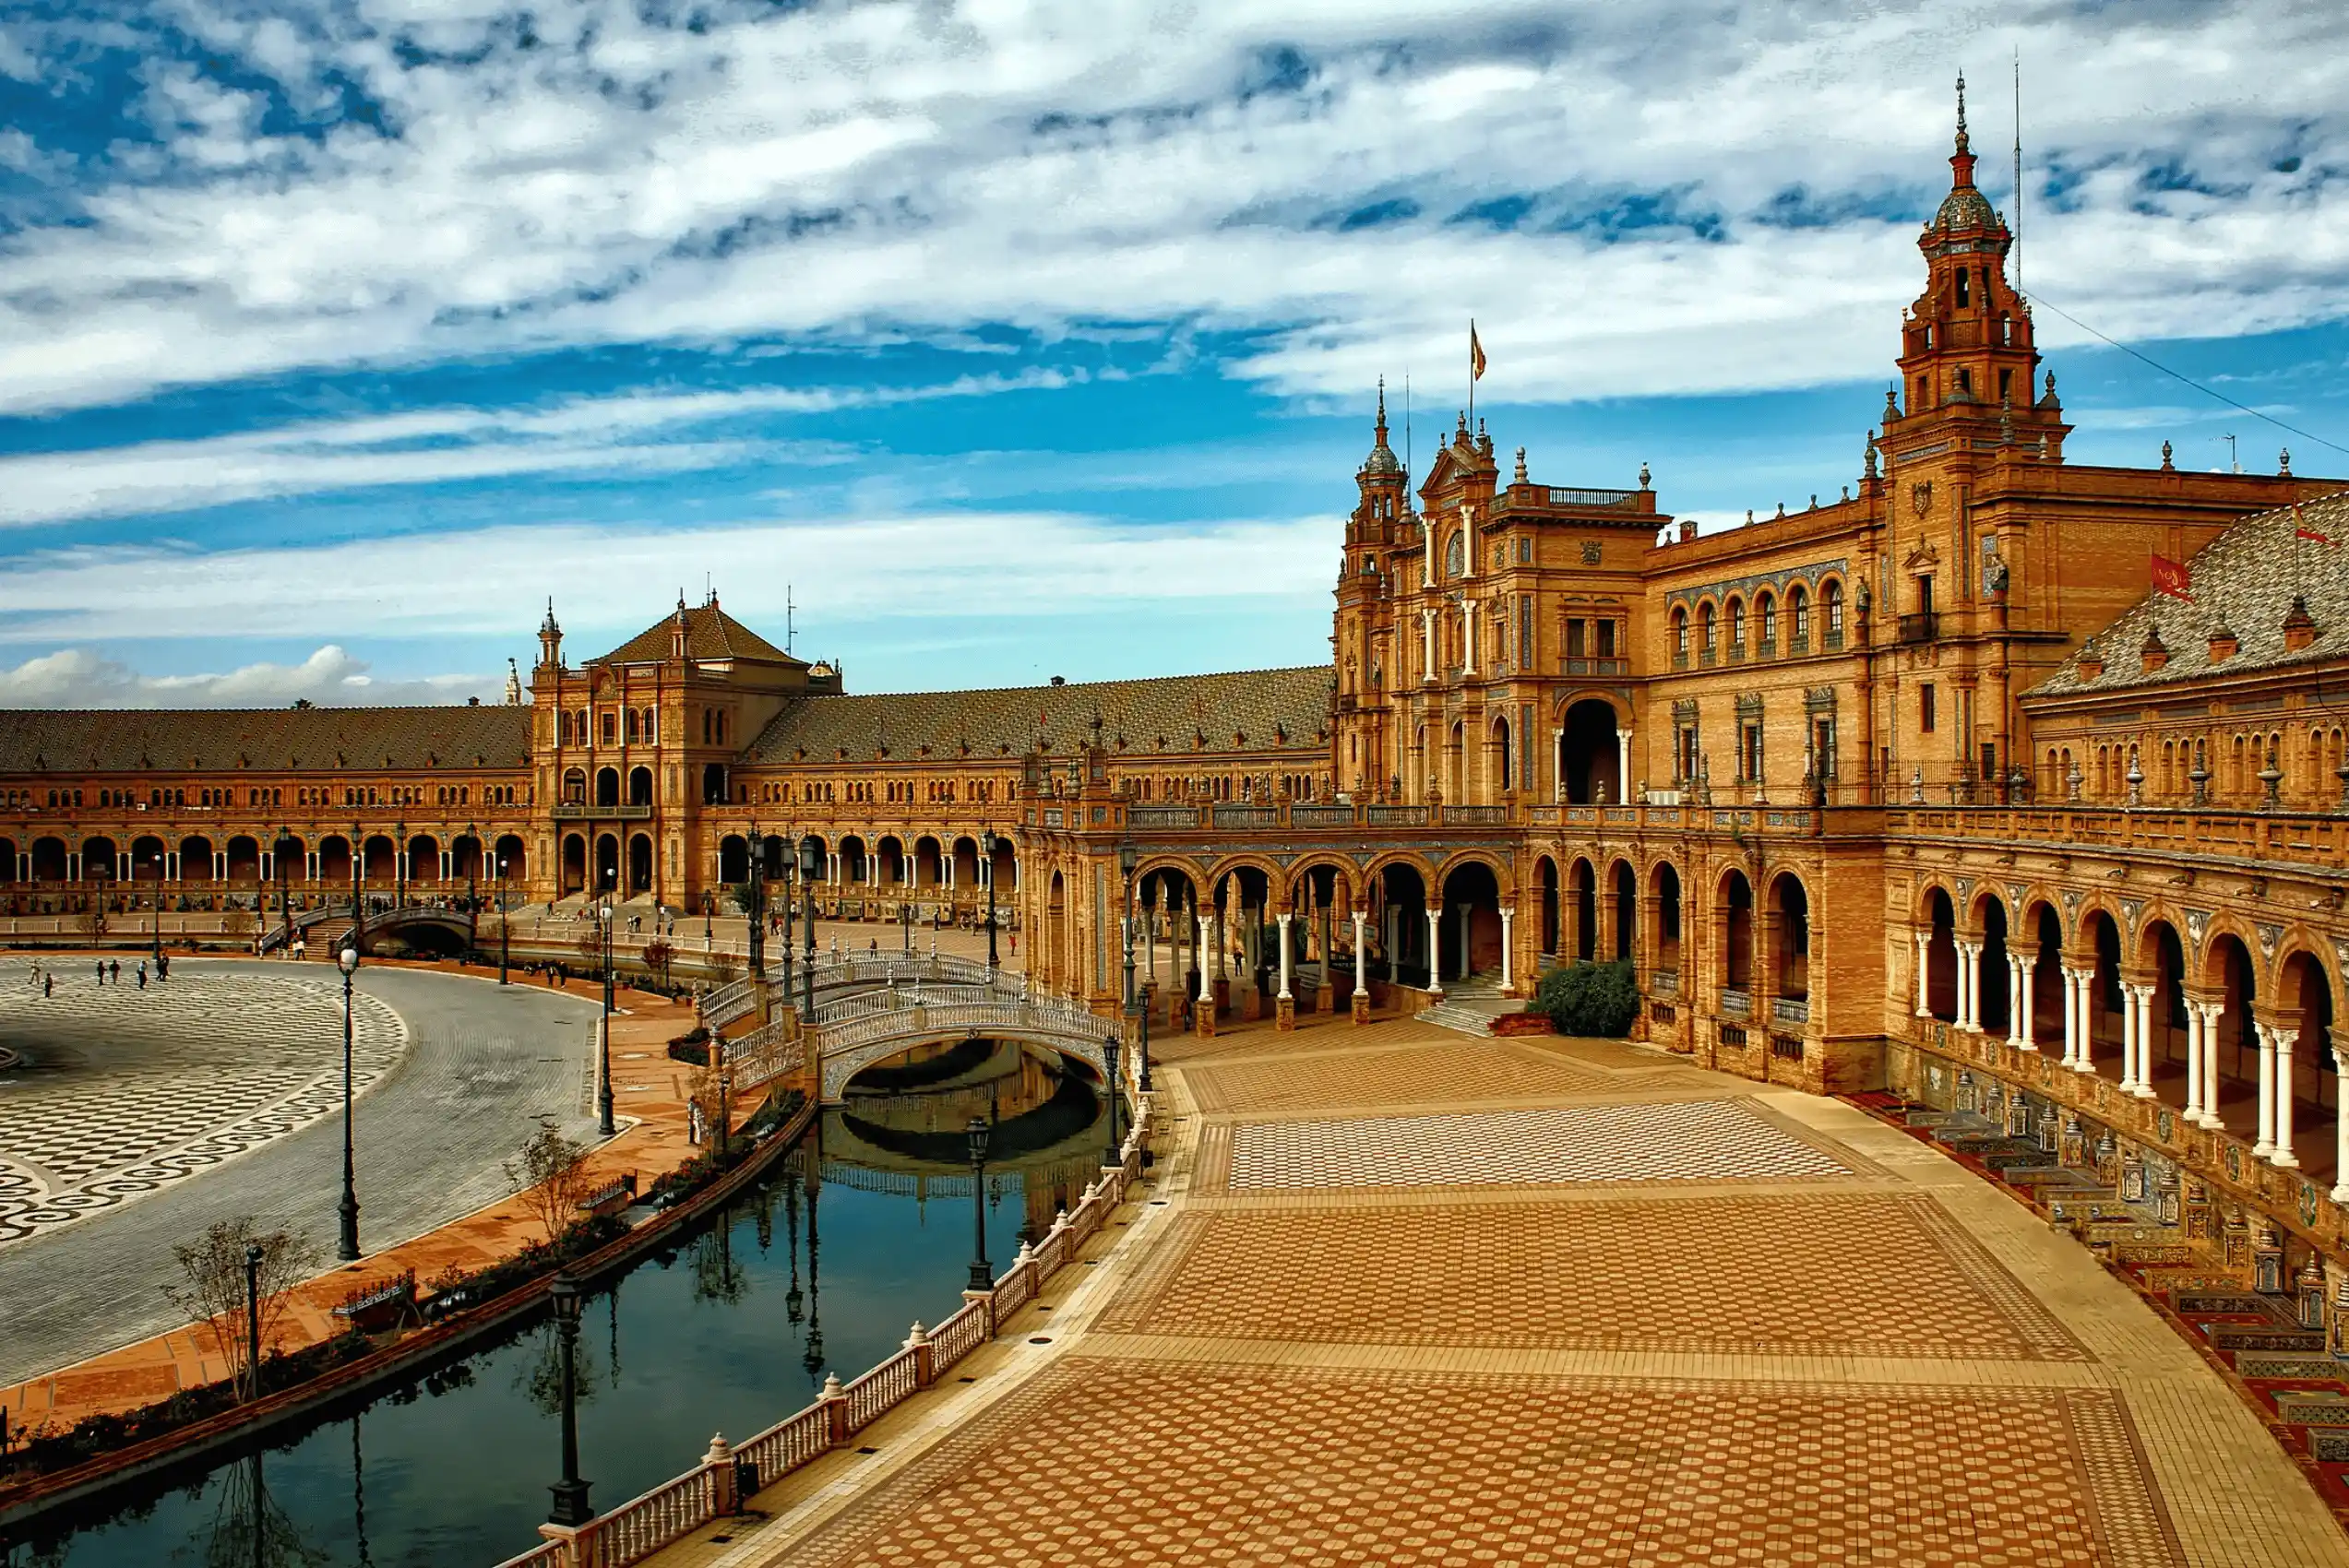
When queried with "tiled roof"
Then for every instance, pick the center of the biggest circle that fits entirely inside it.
(222, 739)
(2246, 577)
(710, 634)
(1249, 709)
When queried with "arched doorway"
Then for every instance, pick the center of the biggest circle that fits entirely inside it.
(2303, 1004)
(97, 860)
(1791, 962)
(1585, 883)
(1737, 934)
(640, 785)
(1471, 929)
(1626, 912)
(1941, 957)
(1546, 873)
(1997, 1013)
(1588, 757)
(1402, 925)
(2232, 979)
(2104, 995)
(423, 859)
(194, 859)
(1665, 880)
(574, 863)
(243, 858)
(607, 786)
(639, 865)
(607, 862)
(382, 867)
(734, 860)
(512, 864)
(2162, 955)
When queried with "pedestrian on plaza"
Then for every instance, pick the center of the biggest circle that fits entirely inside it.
(46, 982)
(162, 965)
(117, 976)
(142, 974)
(101, 971)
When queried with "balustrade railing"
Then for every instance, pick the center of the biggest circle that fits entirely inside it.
(871, 1396)
(1791, 1009)
(1736, 1003)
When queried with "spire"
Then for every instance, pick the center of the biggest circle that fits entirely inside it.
(1382, 410)
(1961, 161)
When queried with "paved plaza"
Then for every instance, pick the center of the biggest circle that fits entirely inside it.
(135, 1119)
(1432, 1299)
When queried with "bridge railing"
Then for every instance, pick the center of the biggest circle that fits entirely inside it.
(645, 1525)
(736, 999)
(765, 1053)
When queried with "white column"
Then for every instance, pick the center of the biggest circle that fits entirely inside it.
(1508, 948)
(2071, 1015)
(1923, 947)
(2341, 1133)
(1427, 578)
(1362, 963)
(1427, 640)
(2144, 1042)
(2284, 1040)
(1969, 986)
(1557, 767)
(1622, 767)
(2129, 1039)
(1207, 971)
(2018, 1006)
(1468, 637)
(2265, 1146)
(2193, 1065)
(1435, 952)
(2211, 1012)
(1283, 994)
(1466, 913)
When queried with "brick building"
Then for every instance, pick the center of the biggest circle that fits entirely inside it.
(2105, 830)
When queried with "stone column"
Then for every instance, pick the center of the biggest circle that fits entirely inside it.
(1467, 914)
(1206, 1011)
(2144, 1042)
(2211, 1013)
(2194, 1064)
(1924, 948)
(1427, 639)
(2284, 1040)
(1622, 767)
(1361, 1007)
(2071, 1015)
(2018, 1006)
(1468, 648)
(2129, 1039)
(2266, 1144)
(1509, 949)
(1283, 918)
(1435, 952)
(1969, 986)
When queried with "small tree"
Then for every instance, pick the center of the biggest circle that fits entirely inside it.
(658, 957)
(552, 1177)
(91, 920)
(213, 1292)
(591, 945)
(1596, 1000)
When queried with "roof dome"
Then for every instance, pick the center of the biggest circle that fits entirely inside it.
(1965, 207)
(1382, 462)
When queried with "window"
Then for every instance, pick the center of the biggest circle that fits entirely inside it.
(1455, 555)
(1574, 637)
(1680, 633)
(1965, 377)
(1926, 708)
(1749, 751)
(1525, 550)
(1832, 594)
(1705, 627)
(2005, 387)
(1737, 623)
(1798, 612)
(1965, 294)
(1768, 609)
(1606, 639)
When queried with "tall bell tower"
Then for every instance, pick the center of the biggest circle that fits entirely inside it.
(1361, 641)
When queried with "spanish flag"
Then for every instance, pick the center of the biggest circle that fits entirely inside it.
(2300, 528)
(1475, 353)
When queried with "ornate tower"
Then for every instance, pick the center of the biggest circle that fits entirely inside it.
(550, 641)
(1362, 642)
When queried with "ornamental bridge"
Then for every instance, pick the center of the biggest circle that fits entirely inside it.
(872, 1007)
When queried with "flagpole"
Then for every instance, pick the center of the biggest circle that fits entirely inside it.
(1471, 378)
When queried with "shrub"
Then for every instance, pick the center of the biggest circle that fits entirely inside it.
(1597, 1001)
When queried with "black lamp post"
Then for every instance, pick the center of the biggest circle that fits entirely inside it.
(157, 949)
(399, 865)
(503, 921)
(347, 1247)
(810, 863)
(1126, 858)
(285, 899)
(605, 912)
(571, 1504)
(790, 865)
(473, 894)
(1109, 1058)
(983, 1276)
(358, 891)
(757, 902)
(987, 875)
(253, 1256)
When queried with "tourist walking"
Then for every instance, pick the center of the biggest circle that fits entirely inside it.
(46, 980)
(142, 974)
(101, 971)
(117, 975)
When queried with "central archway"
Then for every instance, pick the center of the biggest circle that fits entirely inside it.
(1589, 767)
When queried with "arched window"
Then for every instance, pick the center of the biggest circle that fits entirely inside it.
(1737, 624)
(1765, 610)
(1456, 554)
(1680, 633)
(1705, 627)
(1799, 613)
(1832, 594)
(632, 726)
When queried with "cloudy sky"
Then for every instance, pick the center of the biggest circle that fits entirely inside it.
(1014, 339)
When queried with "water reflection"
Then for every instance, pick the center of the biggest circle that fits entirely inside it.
(452, 1469)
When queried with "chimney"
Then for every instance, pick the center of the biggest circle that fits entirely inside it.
(2224, 642)
(2153, 652)
(2299, 626)
(1687, 529)
(2092, 660)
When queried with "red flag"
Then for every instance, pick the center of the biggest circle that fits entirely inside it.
(2172, 578)
(2300, 528)
(1476, 355)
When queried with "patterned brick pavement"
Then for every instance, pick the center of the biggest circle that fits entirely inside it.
(121, 1091)
(1857, 1273)
(1475, 1070)
(1107, 1461)
(1698, 1141)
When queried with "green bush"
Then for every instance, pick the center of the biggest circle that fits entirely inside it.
(1596, 1000)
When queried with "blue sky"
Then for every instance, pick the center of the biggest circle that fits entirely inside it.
(1021, 340)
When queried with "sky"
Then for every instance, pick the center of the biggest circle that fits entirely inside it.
(1004, 341)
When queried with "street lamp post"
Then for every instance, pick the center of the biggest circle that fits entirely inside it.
(1136, 998)
(157, 950)
(358, 895)
(347, 1247)
(605, 911)
(571, 1505)
(399, 865)
(253, 1257)
(987, 875)
(504, 921)
(983, 1276)
(790, 865)
(809, 866)
(473, 894)
(285, 898)
(757, 901)
(1109, 1059)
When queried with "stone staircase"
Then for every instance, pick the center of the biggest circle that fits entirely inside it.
(1470, 1004)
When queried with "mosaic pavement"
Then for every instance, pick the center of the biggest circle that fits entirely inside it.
(1847, 1274)
(122, 1091)
(1263, 1464)
(1476, 1069)
(1695, 1141)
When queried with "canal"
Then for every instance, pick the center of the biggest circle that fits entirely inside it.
(861, 1229)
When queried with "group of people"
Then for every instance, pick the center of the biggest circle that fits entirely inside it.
(109, 972)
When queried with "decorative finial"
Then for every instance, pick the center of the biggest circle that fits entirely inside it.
(2283, 462)
(1643, 476)
(1870, 471)
(1961, 111)
(1382, 402)
(2166, 463)
(1521, 465)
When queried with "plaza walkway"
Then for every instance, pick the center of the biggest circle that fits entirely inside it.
(1400, 1296)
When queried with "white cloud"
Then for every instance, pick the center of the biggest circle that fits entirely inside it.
(887, 169)
(608, 583)
(77, 678)
(582, 436)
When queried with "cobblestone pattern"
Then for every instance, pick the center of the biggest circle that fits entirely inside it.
(1472, 1070)
(122, 1091)
(1267, 1464)
(1835, 1274)
(1693, 1140)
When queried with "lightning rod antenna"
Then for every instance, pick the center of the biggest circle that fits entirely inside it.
(2018, 169)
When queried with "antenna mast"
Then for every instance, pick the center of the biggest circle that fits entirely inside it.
(2018, 169)
(788, 628)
